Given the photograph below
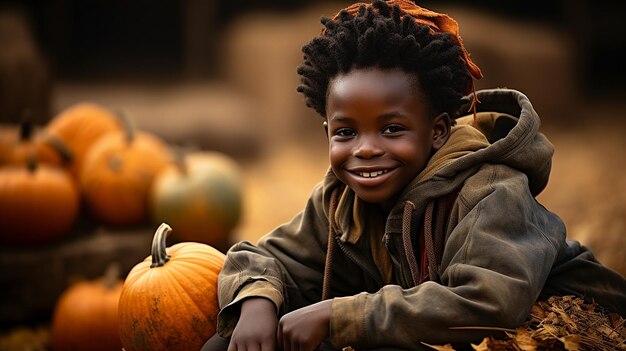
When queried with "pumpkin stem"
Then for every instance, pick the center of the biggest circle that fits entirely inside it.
(26, 125)
(159, 254)
(26, 130)
(115, 163)
(31, 162)
(111, 275)
(127, 122)
(179, 160)
(67, 156)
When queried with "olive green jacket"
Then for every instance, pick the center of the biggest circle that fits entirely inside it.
(496, 250)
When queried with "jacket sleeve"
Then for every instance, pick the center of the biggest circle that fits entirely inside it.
(496, 260)
(286, 266)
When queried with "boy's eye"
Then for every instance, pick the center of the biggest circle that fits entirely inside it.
(393, 129)
(345, 132)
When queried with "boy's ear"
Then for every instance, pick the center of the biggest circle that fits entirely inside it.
(325, 124)
(441, 130)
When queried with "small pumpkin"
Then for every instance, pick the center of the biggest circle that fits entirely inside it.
(79, 127)
(85, 315)
(117, 174)
(38, 203)
(169, 301)
(201, 196)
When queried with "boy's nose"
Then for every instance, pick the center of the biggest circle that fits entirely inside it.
(367, 148)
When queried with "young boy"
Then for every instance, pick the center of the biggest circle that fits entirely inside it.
(426, 221)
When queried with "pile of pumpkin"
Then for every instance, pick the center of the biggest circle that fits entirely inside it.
(88, 157)
(89, 161)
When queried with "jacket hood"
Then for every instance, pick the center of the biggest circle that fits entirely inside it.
(507, 132)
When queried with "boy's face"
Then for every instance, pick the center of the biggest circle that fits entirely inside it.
(380, 131)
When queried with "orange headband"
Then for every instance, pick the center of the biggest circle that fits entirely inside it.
(437, 22)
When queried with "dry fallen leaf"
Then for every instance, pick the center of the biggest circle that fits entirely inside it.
(524, 340)
(483, 346)
(571, 342)
(563, 323)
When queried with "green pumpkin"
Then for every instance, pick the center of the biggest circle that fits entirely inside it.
(200, 196)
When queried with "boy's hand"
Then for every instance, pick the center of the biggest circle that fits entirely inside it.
(256, 328)
(305, 329)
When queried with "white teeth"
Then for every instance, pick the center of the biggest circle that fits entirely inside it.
(371, 174)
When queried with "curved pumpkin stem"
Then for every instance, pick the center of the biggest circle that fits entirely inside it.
(159, 254)
(67, 156)
(178, 156)
(32, 163)
(127, 122)
(26, 130)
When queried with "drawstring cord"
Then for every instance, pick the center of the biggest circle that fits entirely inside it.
(473, 104)
(330, 251)
(428, 240)
(407, 216)
(433, 241)
(439, 235)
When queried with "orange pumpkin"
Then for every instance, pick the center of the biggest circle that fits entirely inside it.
(201, 196)
(38, 203)
(85, 316)
(169, 301)
(117, 174)
(80, 126)
(16, 144)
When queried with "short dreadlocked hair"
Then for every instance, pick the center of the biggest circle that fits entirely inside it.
(378, 36)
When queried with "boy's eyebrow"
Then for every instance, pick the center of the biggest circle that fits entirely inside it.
(383, 117)
(341, 119)
(392, 115)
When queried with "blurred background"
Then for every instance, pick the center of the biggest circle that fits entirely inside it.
(220, 76)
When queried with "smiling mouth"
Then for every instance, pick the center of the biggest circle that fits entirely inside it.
(371, 174)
